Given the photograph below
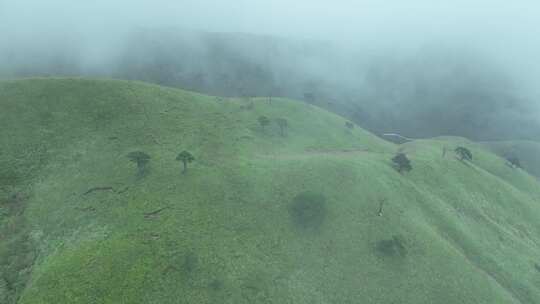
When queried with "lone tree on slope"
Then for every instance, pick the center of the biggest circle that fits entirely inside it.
(141, 159)
(283, 124)
(401, 162)
(263, 121)
(514, 161)
(463, 153)
(186, 158)
(349, 125)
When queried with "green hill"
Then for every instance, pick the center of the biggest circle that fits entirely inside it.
(528, 152)
(258, 217)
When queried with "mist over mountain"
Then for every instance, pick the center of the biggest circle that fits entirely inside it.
(269, 151)
(434, 91)
(417, 68)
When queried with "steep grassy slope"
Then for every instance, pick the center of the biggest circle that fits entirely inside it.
(528, 152)
(258, 217)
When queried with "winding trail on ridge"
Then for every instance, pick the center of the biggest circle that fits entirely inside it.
(316, 153)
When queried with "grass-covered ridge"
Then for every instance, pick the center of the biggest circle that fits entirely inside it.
(528, 152)
(257, 217)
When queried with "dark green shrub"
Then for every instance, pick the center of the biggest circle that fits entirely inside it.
(401, 162)
(514, 161)
(463, 153)
(394, 247)
(349, 125)
(308, 210)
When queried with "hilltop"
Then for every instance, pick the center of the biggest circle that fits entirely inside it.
(437, 90)
(316, 215)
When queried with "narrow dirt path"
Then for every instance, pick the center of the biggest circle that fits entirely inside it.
(317, 153)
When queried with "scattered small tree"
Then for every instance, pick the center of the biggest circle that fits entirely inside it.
(141, 159)
(263, 121)
(283, 124)
(514, 161)
(401, 162)
(349, 125)
(186, 158)
(463, 153)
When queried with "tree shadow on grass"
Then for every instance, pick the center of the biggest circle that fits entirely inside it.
(308, 211)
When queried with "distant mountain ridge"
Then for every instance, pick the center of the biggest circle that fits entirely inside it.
(433, 92)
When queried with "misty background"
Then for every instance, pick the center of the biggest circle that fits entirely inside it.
(419, 68)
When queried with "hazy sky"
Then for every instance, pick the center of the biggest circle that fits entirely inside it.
(320, 18)
(508, 30)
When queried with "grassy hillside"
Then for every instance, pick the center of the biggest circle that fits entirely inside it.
(528, 152)
(258, 217)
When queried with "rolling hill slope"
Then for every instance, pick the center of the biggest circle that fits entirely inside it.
(528, 152)
(318, 215)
